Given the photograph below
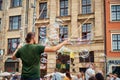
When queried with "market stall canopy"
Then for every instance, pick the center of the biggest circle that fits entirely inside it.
(11, 60)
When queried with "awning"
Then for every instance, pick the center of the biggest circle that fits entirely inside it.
(11, 60)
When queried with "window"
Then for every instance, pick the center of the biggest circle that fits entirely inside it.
(116, 42)
(42, 35)
(86, 31)
(82, 69)
(86, 6)
(43, 10)
(63, 62)
(90, 58)
(116, 69)
(63, 7)
(0, 4)
(43, 64)
(15, 22)
(115, 12)
(12, 44)
(63, 32)
(1, 52)
(11, 65)
(16, 3)
(0, 25)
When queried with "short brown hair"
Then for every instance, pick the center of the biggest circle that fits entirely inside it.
(29, 36)
(92, 78)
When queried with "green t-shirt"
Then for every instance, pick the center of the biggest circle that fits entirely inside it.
(30, 56)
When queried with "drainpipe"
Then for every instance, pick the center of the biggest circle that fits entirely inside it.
(27, 8)
(26, 18)
(34, 16)
(105, 50)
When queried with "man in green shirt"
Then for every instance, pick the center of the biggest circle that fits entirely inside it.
(30, 56)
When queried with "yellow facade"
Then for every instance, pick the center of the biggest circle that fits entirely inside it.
(74, 20)
(7, 11)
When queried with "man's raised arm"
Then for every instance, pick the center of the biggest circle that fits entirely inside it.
(55, 48)
(13, 56)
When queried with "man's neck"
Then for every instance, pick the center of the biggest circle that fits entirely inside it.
(30, 42)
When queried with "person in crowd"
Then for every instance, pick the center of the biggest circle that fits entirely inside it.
(92, 78)
(56, 75)
(68, 76)
(30, 56)
(72, 56)
(83, 75)
(79, 77)
(40, 78)
(44, 78)
(107, 77)
(90, 72)
(115, 77)
(50, 78)
(99, 76)
(110, 76)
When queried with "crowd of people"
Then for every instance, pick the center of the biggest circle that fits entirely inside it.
(68, 76)
(90, 74)
(30, 56)
(112, 76)
(15, 76)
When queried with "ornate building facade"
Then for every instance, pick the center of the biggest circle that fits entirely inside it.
(79, 19)
(82, 21)
(16, 19)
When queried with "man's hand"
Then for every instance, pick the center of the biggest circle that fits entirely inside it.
(65, 42)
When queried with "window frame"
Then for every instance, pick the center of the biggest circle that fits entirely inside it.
(11, 19)
(63, 59)
(86, 30)
(86, 5)
(65, 8)
(9, 52)
(112, 42)
(1, 4)
(111, 12)
(45, 10)
(45, 36)
(88, 59)
(82, 69)
(12, 65)
(12, 4)
(60, 40)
